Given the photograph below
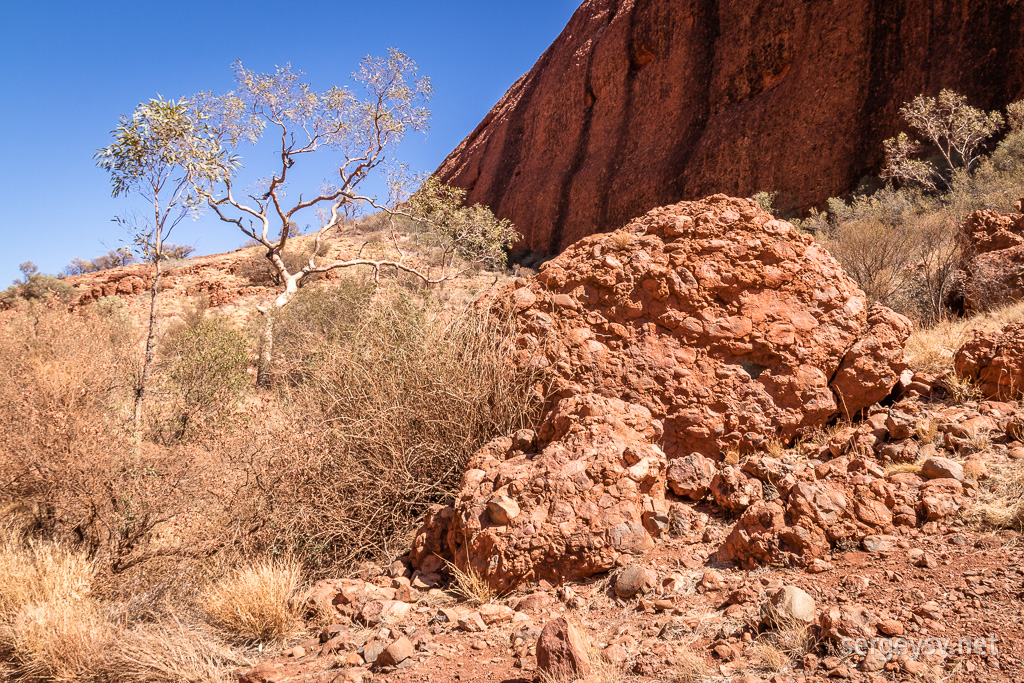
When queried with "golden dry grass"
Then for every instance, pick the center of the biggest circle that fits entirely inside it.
(471, 586)
(1000, 501)
(931, 349)
(34, 573)
(904, 468)
(255, 603)
(690, 666)
(61, 641)
(50, 627)
(173, 652)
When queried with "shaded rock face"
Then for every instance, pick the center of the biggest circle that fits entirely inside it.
(994, 362)
(642, 103)
(700, 328)
(993, 271)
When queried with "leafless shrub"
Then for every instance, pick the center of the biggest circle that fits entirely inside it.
(385, 403)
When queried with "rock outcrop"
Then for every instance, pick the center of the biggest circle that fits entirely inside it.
(642, 103)
(994, 362)
(993, 270)
(700, 329)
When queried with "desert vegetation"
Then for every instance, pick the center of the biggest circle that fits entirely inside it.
(383, 395)
(900, 242)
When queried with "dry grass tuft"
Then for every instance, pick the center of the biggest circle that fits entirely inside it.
(769, 657)
(904, 467)
(173, 652)
(256, 603)
(471, 586)
(931, 349)
(35, 573)
(50, 627)
(620, 240)
(690, 666)
(60, 641)
(1000, 501)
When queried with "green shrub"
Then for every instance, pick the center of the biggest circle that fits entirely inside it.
(206, 368)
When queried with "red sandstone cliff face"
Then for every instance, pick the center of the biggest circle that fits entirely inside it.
(641, 103)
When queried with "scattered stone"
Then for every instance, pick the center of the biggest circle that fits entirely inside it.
(397, 652)
(635, 579)
(562, 652)
(789, 605)
(472, 623)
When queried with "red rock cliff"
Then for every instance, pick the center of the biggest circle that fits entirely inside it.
(641, 103)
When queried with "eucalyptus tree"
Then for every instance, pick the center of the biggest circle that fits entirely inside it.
(159, 153)
(357, 128)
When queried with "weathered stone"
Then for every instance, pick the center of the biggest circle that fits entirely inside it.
(635, 579)
(789, 605)
(942, 468)
(562, 652)
(690, 476)
(397, 652)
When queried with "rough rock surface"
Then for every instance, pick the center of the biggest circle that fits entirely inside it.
(993, 271)
(641, 103)
(702, 328)
(562, 652)
(994, 362)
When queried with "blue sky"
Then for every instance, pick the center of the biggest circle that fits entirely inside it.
(70, 68)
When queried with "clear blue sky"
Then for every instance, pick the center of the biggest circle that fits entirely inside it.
(69, 68)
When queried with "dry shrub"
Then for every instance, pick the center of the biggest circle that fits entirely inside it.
(899, 245)
(386, 399)
(172, 652)
(255, 603)
(1000, 501)
(68, 469)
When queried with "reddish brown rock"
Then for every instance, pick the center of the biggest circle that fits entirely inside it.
(562, 652)
(726, 324)
(690, 476)
(640, 103)
(700, 328)
(993, 271)
(994, 361)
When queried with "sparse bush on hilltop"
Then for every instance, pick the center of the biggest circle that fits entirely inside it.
(35, 286)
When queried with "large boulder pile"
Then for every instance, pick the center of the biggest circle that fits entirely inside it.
(698, 330)
(993, 270)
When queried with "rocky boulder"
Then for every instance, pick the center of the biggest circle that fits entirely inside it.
(701, 328)
(993, 271)
(994, 362)
(725, 323)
